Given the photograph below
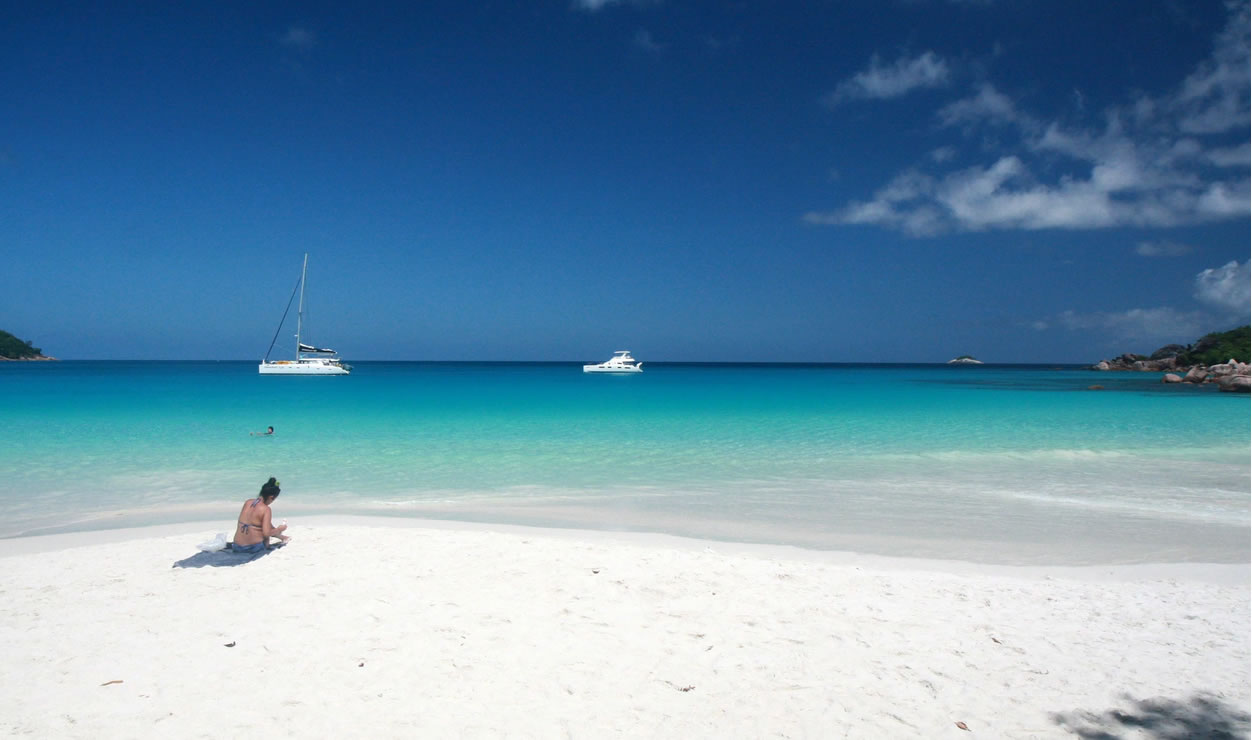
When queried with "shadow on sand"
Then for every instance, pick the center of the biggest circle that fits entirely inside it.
(1202, 716)
(222, 558)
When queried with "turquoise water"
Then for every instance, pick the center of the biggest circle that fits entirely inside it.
(1008, 464)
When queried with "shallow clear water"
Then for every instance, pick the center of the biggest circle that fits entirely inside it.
(1008, 464)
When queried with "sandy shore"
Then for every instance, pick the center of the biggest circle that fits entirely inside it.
(374, 628)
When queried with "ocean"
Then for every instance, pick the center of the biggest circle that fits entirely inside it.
(1007, 464)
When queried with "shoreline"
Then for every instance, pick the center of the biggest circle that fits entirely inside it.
(455, 629)
(1225, 573)
(947, 547)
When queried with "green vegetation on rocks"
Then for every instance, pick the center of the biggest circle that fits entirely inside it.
(12, 348)
(1216, 348)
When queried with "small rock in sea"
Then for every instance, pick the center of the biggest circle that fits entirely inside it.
(1095, 387)
(1171, 378)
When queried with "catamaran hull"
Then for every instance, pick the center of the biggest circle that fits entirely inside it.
(301, 368)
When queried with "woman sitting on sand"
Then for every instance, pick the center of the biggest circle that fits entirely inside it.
(255, 527)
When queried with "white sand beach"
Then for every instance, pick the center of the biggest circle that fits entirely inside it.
(388, 628)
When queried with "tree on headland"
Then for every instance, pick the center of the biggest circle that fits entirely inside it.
(12, 348)
(1217, 347)
(1214, 348)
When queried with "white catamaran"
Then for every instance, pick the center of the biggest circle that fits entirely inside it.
(309, 360)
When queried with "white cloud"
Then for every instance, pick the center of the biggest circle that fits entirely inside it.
(717, 43)
(643, 40)
(1224, 199)
(1214, 97)
(1225, 287)
(592, 6)
(1175, 159)
(1161, 324)
(895, 205)
(298, 38)
(1162, 249)
(1006, 195)
(1235, 156)
(891, 81)
(988, 104)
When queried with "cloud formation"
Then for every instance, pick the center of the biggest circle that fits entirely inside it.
(1162, 324)
(986, 105)
(644, 41)
(298, 38)
(591, 6)
(1162, 249)
(1226, 287)
(891, 81)
(1176, 159)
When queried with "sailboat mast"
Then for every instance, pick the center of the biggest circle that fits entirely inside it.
(300, 314)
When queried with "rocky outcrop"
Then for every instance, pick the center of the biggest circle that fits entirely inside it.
(1123, 362)
(1172, 359)
(1232, 376)
(1168, 351)
(1196, 374)
(1235, 384)
(1139, 363)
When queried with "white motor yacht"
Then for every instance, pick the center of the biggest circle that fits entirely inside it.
(620, 362)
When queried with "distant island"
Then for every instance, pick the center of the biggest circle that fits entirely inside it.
(12, 348)
(1217, 357)
(964, 360)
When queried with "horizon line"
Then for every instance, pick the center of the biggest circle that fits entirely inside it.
(579, 362)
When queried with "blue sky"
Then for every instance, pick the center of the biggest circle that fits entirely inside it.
(1022, 180)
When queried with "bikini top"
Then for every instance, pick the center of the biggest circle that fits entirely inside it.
(246, 525)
